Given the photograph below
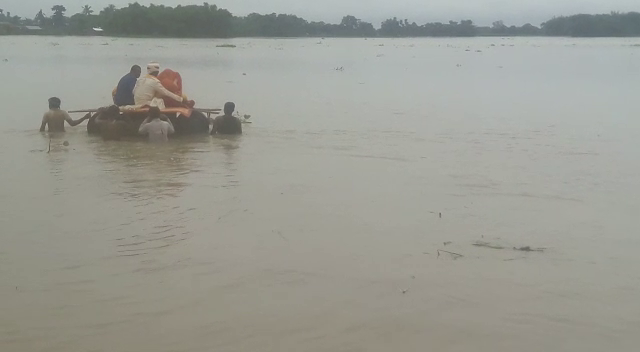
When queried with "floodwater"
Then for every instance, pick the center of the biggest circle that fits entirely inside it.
(320, 228)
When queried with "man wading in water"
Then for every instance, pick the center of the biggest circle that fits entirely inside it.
(56, 117)
(111, 124)
(157, 126)
(227, 123)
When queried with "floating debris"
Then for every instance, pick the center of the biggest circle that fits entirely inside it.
(65, 143)
(5, 60)
(487, 245)
(521, 249)
(447, 243)
(454, 255)
(340, 68)
(225, 46)
(528, 249)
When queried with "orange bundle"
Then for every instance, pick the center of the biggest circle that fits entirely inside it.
(172, 81)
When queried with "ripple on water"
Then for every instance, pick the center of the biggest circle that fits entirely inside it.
(152, 230)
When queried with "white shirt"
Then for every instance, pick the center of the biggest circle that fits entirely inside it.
(157, 130)
(148, 89)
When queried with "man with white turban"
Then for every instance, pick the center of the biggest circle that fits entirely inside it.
(149, 90)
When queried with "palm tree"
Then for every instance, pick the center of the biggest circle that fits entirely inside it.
(87, 10)
(58, 15)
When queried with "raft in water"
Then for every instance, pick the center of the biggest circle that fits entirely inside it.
(185, 121)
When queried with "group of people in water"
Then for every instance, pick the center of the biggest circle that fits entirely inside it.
(156, 91)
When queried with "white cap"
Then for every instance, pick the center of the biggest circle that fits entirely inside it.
(153, 67)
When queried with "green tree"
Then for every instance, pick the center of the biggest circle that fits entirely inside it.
(58, 15)
(350, 23)
(109, 10)
(87, 10)
(391, 28)
(40, 19)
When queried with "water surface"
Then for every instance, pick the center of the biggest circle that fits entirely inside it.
(319, 229)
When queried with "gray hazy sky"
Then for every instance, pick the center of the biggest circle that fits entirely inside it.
(481, 11)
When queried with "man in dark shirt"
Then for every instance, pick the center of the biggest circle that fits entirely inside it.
(123, 95)
(227, 123)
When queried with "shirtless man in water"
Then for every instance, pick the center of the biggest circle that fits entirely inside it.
(227, 124)
(56, 117)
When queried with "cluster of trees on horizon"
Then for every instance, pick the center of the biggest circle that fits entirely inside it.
(209, 21)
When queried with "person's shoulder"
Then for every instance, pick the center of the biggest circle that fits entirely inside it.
(56, 112)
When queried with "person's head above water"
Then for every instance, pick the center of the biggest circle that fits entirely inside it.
(154, 112)
(229, 108)
(136, 71)
(54, 103)
(153, 68)
(113, 111)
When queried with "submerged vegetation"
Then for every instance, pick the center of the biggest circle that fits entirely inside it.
(209, 21)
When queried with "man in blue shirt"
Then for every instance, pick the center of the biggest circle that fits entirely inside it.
(123, 94)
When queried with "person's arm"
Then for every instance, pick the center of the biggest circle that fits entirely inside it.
(214, 127)
(239, 125)
(170, 129)
(73, 122)
(44, 123)
(143, 127)
(161, 90)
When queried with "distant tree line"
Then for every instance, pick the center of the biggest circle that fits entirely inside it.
(611, 25)
(209, 21)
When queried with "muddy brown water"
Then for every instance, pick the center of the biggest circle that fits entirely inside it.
(319, 229)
